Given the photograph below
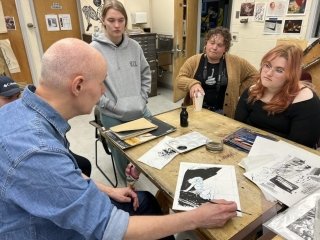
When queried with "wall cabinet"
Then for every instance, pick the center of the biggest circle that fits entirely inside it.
(147, 42)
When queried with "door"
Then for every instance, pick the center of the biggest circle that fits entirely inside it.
(185, 39)
(45, 8)
(16, 40)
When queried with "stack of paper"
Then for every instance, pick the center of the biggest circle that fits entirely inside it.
(291, 173)
(133, 128)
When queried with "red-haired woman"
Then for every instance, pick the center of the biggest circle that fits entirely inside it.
(279, 102)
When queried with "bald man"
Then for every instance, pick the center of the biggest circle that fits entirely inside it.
(43, 194)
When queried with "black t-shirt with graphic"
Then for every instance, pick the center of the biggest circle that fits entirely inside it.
(213, 88)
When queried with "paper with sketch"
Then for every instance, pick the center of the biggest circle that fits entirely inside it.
(188, 142)
(298, 221)
(160, 155)
(288, 180)
(199, 183)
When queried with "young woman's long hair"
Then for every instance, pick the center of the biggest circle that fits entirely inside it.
(281, 100)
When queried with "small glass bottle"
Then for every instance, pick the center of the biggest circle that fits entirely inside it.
(184, 116)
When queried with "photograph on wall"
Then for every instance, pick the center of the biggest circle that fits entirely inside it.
(10, 23)
(52, 22)
(259, 12)
(247, 9)
(65, 22)
(292, 26)
(272, 26)
(276, 8)
(296, 7)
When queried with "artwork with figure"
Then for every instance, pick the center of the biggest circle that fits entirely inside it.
(247, 9)
(259, 11)
(303, 226)
(200, 183)
(92, 12)
(289, 180)
(292, 26)
(296, 6)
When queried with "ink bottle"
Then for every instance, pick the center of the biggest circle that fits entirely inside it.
(184, 116)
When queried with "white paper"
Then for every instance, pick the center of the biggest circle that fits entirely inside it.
(297, 222)
(52, 22)
(9, 56)
(3, 28)
(290, 179)
(188, 142)
(200, 183)
(160, 155)
(65, 22)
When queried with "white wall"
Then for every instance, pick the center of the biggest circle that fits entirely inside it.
(252, 43)
(162, 13)
(137, 6)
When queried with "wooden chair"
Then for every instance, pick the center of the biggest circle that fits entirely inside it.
(99, 129)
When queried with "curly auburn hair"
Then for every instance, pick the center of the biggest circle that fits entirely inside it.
(281, 100)
(224, 32)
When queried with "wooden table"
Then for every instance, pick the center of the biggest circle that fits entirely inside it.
(213, 126)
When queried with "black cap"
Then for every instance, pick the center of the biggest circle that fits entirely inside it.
(8, 87)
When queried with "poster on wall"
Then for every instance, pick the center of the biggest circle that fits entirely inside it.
(3, 28)
(296, 7)
(272, 26)
(276, 8)
(10, 23)
(259, 12)
(65, 22)
(91, 14)
(52, 22)
(9, 56)
(247, 9)
(292, 26)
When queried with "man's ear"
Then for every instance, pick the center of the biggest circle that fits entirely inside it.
(77, 85)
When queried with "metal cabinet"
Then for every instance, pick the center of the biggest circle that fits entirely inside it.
(147, 42)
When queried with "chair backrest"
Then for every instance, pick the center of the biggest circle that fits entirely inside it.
(97, 119)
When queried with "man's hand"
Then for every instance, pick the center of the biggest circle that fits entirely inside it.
(195, 89)
(210, 215)
(124, 195)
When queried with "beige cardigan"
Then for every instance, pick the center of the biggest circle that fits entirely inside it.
(240, 76)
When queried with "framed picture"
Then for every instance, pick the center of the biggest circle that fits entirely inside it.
(292, 26)
(296, 7)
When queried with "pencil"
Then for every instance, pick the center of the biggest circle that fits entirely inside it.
(210, 201)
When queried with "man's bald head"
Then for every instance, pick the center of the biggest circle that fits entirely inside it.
(66, 59)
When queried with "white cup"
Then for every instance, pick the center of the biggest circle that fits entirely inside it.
(198, 101)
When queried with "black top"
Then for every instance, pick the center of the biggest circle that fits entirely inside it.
(300, 122)
(209, 78)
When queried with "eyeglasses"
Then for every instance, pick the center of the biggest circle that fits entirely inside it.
(266, 67)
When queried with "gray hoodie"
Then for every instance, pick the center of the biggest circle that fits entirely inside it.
(128, 81)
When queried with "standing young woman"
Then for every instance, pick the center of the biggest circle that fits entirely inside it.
(221, 76)
(279, 102)
(129, 77)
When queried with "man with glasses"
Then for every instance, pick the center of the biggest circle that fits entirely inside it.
(9, 90)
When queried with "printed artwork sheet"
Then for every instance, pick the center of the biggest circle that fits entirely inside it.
(160, 155)
(188, 142)
(298, 222)
(200, 183)
(289, 180)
